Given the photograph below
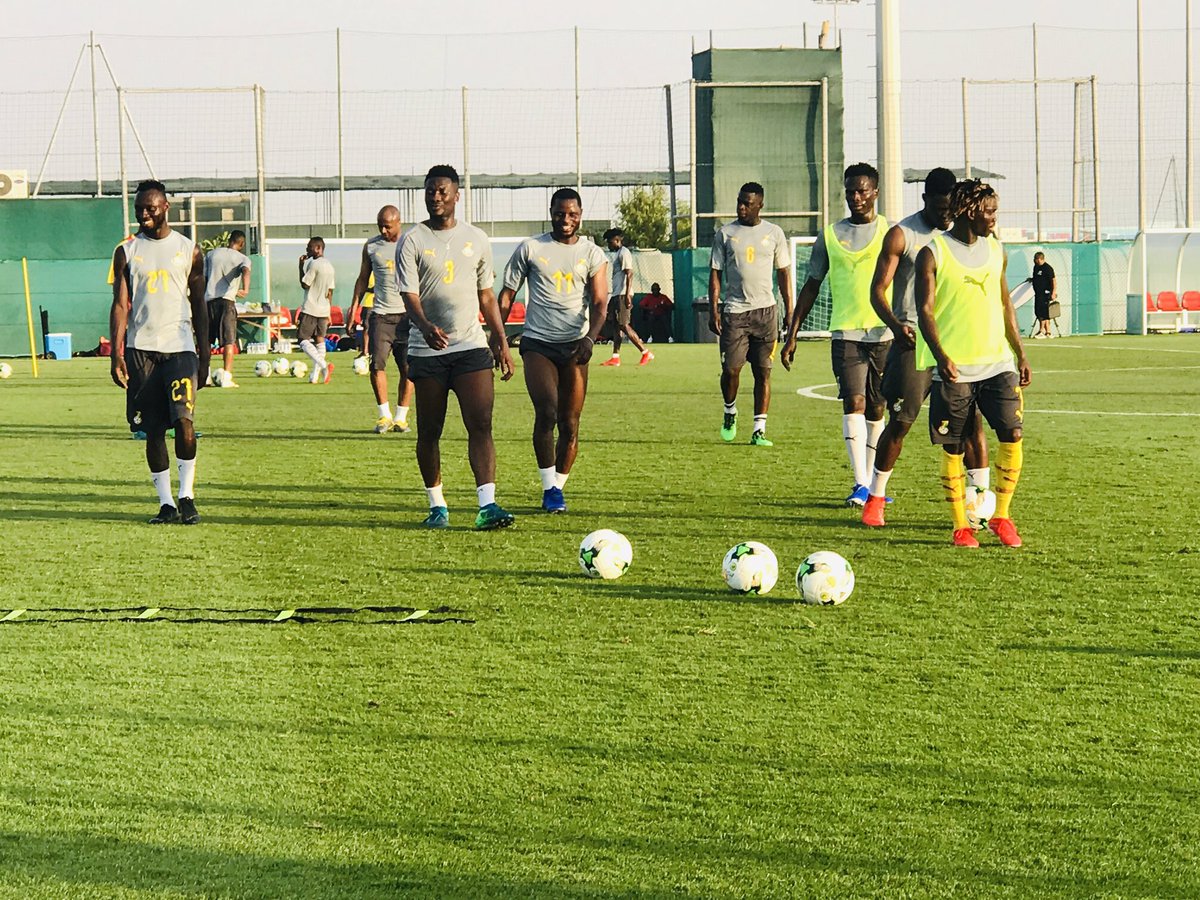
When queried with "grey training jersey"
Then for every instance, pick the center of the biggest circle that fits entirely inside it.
(446, 270)
(853, 237)
(318, 282)
(748, 256)
(917, 233)
(161, 314)
(382, 254)
(622, 260)
(556, 311)
(223, 273)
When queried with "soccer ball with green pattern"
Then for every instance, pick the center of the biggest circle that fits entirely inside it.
(982, 509)
(750, 568)
(605, 554)
(824, 579)
(299, 369)
(362, 365)
(282, 365)
(263, 368)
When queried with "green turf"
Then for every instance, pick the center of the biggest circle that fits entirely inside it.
(994, 723)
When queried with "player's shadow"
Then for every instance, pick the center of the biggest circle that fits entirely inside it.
(619, 587)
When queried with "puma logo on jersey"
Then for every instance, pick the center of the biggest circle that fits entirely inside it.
(431, 253)
(982, 285)
(543, 261)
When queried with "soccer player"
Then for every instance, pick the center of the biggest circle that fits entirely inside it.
(559, 334)
(968, 330)
(227, 279)
(620, 305)
(317, 279)
(159, 331)
(387, 335)
(745, 253)
(846, 252)
(905, 387)
(446, 276)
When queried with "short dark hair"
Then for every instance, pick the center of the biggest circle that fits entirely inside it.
(236, 235)
(317, 240)
(654, 288)
(861, 170)
(565, 194)
(1039, 253)
(752, 187)
(151, 184)
(612, 233)
(443, 171)
(940, 181)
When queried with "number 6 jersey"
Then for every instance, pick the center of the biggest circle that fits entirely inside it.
(157, 273)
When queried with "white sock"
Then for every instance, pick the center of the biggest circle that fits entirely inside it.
(616, 355)
(402, 413)
(879, 482)
(854, 430)
(560, 480)
(162, 484)
(385, 411)
(310, 351)
(874, 430)
(547, 476)
(321, 354)
(435, 496)
(187, 478)
(486, 494)
(731, 409)
(980, 478)
(760, 423)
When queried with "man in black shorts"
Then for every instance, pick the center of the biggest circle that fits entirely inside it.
(1045, 293)
(159, 333)
(446, 277)
(559, 334)
(620, 304)
(745, 255)
(227, 277)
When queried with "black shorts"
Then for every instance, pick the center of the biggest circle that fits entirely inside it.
(446, 367)
(618, 312)
(749, 335)
(952, 407)
(222, 321)
(858, 368)
(162, 388)
(1041, 307)
(311, 328)
(558, 353)
(905, 387)
(388, 337)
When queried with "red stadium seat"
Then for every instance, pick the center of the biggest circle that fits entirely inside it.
(1168, 301)
(1150, 307)
(1191, 301)
(516, 315)
(337, 318)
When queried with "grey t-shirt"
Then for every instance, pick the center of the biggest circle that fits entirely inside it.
(382, 255)
(446, 270)
(972, 256)
(318, 282)
(854, 237)
(223, 273)
(622, 261)
(557, 310)
(917, 233)
(748, 257)
(161, 315)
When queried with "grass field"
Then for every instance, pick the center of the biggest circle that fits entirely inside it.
(993, 723)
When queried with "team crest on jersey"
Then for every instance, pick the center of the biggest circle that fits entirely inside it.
(137, 417)
(468, 249)
(943, 427)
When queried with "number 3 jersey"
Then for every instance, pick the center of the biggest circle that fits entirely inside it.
(557, 310)
(157, 271)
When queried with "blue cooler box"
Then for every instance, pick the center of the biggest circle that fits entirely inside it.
(59, 345)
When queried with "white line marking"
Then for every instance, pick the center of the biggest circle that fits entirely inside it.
(1112, 347)
(811, 392)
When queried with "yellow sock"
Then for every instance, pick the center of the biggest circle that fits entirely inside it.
(954, 484)
(1008, 470)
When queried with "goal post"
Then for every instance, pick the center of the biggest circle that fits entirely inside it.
(816, 324)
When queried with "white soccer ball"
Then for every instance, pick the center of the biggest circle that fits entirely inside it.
(282, 365)
(299, 369)
(605, 554)
(216, 377)
(362, 365)
(750, 568)
(263, 368)
(824, 579)
(5, 370)
(981, 510)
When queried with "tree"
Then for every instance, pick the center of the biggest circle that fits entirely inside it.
(645, 217)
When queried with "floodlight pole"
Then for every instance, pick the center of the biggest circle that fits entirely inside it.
(1189, 180)
(466, 128)
(1095, 161)
(671, 166)
(1141, 126)
(341, 164)
(888, 132)
(1037, 141)
(578, 148)
(95, 113)
(260, 99)
(966, 132)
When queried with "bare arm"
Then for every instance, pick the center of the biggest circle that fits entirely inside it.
(303, 260)
(783, 277)
(926, 288)
(885, 272)
(1053, 284)
(245, 289)
(714, 301)
(804, 304)
(499, 343)
(360, 286)
(628, 295)
(598, 288)
(505, 302)
(199, 315)
(118, 319)
(1011, 332)
(434, 336)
